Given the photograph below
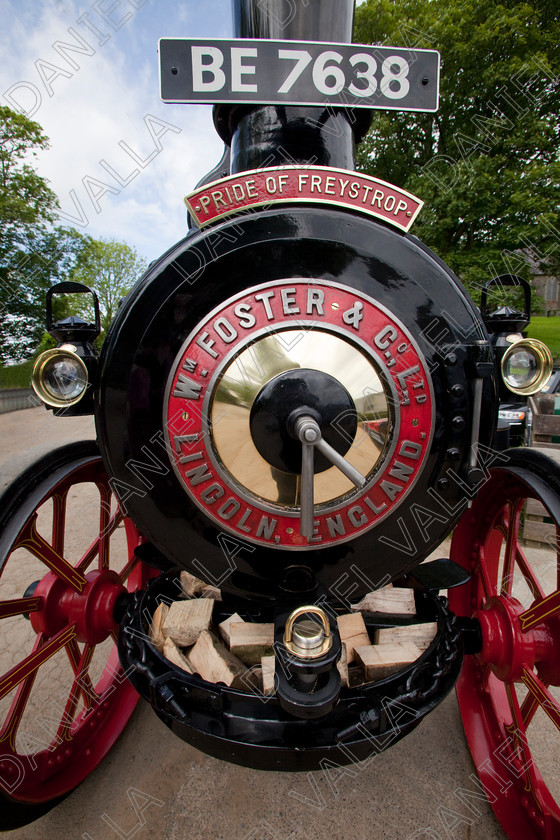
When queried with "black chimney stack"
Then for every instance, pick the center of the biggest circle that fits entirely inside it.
(276, 135)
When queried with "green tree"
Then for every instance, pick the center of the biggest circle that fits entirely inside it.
(33, 253)
(487, 163)
(25, 197)
(110, 268)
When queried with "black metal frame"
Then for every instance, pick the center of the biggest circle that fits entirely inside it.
(246, 728)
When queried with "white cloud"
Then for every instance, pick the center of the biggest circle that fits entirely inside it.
(109, 100)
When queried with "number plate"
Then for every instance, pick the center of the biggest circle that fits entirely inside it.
(298, 73)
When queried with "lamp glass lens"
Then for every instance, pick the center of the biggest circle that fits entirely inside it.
(521, 368)
(64, 378)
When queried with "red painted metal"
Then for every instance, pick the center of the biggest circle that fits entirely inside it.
(504, 687)
(18, 606)
(506, 649)
(187, 433)
(71, 610)
(308, 185)
(91, 611)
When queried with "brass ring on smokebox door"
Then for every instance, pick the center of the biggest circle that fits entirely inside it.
(244, 376)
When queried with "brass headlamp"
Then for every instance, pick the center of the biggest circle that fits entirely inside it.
(526, 366)
(62, 377)
(525, 363)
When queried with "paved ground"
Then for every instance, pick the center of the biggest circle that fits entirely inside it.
(153, 784)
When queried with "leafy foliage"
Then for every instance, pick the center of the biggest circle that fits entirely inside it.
(110, 268)
(33, 254)
(25, 198)
(487, 163)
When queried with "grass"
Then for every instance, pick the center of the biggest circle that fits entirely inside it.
(16, 376)
(547, 330)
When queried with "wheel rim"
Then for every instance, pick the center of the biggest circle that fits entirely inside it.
(509, 694)
(66, 558)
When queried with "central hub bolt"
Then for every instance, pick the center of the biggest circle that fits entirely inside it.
(301, 394)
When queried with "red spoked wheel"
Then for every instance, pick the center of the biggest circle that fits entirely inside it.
(509, 693)
(66, 562)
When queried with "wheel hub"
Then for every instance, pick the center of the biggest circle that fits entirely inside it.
(508, 649)
(505, 648)
(91, 611)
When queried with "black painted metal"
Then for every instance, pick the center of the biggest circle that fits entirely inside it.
(316, 20)
(221, 170)
(471, 634)
(537, 471)
(297, 393)
(249, 729)
(276, 135)
(441, 574)
(176, 294)
(306, 688)
(56, 330)
(506, 319)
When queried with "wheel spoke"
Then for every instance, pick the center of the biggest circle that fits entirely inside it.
(543, 696)
(512, 539)
(13, 718)
(518, 736)
(129, 568)
(59, 521)
(486, 677)
(82, 685)
(502, 525)
(487, 585)
(19, 606)
(30, 664)
(528, 709)
(104, 525)
(539, 612)
(80, 662)
(100, 545)
(40, 548)
(536, 589)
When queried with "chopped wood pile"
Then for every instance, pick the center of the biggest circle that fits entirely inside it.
(240, 653)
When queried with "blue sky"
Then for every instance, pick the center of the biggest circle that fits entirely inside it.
(120, 160)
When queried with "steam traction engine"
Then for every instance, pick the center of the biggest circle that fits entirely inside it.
(295, 405)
